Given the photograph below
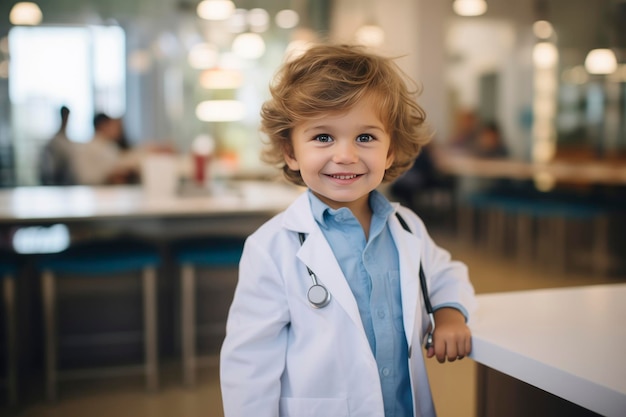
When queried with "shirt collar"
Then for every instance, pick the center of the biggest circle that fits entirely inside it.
(381, 208)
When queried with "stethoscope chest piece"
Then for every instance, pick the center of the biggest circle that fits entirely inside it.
(318, 296)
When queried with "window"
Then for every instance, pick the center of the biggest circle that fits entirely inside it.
(81, 67)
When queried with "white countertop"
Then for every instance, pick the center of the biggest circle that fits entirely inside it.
(570, 342)
(33, 204)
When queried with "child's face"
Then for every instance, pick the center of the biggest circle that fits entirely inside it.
(342, 156)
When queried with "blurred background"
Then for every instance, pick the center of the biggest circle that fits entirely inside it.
(161, 67)
(525, 179)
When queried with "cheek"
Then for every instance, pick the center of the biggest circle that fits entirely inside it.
(390, 159)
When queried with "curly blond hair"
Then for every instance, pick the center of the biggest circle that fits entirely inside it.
(331, 78)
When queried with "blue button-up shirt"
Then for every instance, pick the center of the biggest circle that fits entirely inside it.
(372, 270)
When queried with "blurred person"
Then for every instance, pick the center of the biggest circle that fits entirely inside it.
(466, 131)
(422, 176)
(55, 161)
(102, 160)
(133, 157)
(489, 143)
(328, 306)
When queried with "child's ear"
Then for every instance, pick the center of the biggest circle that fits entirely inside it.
(290, 159)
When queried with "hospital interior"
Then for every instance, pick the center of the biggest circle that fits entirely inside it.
(115, 290)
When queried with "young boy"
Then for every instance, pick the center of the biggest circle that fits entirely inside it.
(328, 315)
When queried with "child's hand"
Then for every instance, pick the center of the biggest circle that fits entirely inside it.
(452, 338)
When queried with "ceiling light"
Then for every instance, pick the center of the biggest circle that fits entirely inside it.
(219, 79)
(370, 35)
(601, 61)
(287, 19)
(469, 7)
(545, 55)
(220, 111)
(249, 45)
(259, 20)
(543, 29)
(215, 9)
(25, 13)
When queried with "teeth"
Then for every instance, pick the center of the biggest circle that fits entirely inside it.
(344, 177)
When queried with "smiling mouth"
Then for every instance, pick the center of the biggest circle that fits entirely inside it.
(343, 177)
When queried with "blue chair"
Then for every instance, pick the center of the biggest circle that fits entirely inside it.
(8, 271)
(542, 221)
(219, 252)
(101, 258)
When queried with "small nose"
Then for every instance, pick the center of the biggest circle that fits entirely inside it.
(346, 152)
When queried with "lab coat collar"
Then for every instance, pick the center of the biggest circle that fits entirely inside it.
(298, 216)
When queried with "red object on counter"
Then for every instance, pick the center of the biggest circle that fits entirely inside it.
(200, 163)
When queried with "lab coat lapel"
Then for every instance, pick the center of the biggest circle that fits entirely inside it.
(409, 248)
(317, 255)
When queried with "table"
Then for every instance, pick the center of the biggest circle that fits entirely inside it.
(592, 197)
(77, 203)
(587, 172)
(234, 207)
(568, 342)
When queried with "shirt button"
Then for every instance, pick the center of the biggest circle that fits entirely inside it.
(385, 371)
(381, 314)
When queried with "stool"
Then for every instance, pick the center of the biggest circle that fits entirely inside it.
(93, 259)
(207, 253)
(556, 217)
(470, 209)
(8, 270)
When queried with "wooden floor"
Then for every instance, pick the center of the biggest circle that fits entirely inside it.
(453, 384)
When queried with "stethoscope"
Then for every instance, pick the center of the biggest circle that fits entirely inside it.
(319, 296)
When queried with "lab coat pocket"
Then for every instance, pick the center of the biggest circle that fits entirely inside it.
(313, 407)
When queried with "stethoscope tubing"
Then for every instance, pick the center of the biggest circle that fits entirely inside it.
(428, 339)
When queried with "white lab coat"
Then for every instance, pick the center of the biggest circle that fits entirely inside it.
(282, 357)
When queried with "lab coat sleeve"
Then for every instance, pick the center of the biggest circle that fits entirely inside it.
(448, 279)
(252, 358)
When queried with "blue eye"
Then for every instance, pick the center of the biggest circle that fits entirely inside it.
(365, 138)
(323, 138)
